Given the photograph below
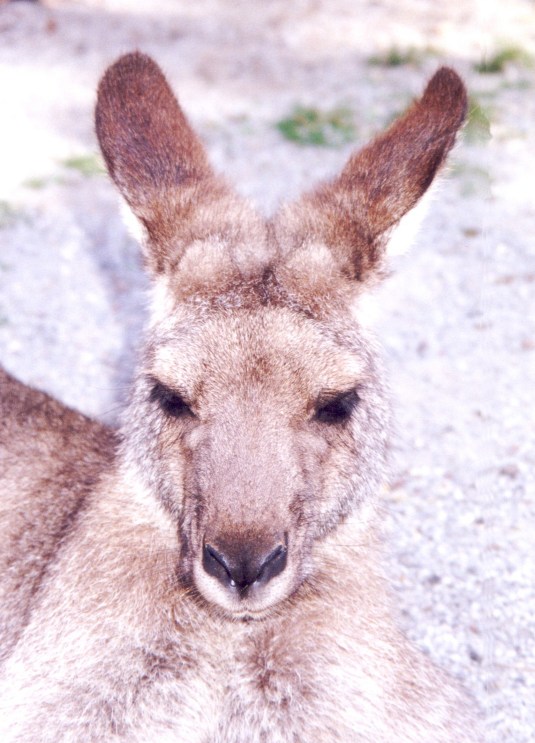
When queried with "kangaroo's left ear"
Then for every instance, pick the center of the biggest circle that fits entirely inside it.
(156, 160)
(352, 215)
(148, 145)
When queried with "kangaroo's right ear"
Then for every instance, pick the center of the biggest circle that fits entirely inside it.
(353, 215)
(152, 154)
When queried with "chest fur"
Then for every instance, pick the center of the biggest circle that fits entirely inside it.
(269, 684)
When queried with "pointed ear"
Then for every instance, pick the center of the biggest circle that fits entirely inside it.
(353, 214)
(152, 154)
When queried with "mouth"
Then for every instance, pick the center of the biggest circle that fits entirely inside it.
(247, 616)
(237, 610)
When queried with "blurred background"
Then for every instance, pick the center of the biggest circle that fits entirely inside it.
(281, 92)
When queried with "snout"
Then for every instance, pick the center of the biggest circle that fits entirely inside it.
(245, 575)
(242, 566)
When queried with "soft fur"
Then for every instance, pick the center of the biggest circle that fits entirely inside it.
(112, 627)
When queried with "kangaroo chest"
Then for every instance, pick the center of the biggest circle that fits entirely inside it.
(267, 686)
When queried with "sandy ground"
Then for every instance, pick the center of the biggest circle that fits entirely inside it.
(457, 318)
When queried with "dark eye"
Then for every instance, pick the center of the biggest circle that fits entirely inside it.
(169, 401)
(337, 409)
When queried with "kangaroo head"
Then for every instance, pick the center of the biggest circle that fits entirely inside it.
(258, 418)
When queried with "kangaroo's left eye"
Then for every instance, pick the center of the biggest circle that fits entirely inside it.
(338, 409)
(169, 401)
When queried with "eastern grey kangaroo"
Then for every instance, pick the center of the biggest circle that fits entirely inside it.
(211, 573)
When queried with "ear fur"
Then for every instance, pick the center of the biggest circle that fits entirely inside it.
(154, 157)
(338, 230)
(353, 214)
(145, 138)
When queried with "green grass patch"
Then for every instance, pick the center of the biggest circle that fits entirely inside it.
(87, 165)
(498, 61)
(36, 184)
(477, 127)
(39, 183)
(474, 180)
(524, 84)
(311, 126)
(397, 57)
(8, 214)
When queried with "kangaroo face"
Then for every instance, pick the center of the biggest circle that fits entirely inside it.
(258, 418)
(259, 447)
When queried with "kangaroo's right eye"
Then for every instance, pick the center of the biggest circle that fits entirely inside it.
(338, 409)
(169, 401)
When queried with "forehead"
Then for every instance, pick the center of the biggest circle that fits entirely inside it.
(265, 346)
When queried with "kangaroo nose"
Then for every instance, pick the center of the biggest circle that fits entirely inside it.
(244, 565)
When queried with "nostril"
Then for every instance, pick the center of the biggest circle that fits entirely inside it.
(244, 564)
(274, 564)
(215, 564)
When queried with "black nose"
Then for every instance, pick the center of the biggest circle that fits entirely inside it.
(244, 565)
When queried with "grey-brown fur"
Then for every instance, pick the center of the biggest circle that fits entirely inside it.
(140, 596)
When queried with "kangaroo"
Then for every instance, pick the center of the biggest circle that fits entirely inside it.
(211, 573)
